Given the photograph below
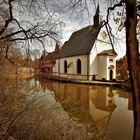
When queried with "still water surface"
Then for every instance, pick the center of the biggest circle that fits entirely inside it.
(86, 111)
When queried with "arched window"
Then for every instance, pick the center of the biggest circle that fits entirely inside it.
(65, 66)
(78, 66)
(111, 74)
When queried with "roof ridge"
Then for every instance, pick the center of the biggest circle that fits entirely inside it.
(81, 41)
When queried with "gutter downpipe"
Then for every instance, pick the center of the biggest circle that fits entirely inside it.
(88, 55)
(59, 67)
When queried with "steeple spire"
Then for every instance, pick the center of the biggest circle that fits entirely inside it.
(96, 16)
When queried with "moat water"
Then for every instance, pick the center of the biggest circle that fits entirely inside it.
(83, 112)
(42, 109)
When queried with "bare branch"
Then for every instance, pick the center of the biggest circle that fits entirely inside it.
(10, 18)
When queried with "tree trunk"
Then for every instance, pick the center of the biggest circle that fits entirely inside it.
(133, 62)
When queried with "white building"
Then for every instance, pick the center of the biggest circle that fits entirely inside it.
(88, 54)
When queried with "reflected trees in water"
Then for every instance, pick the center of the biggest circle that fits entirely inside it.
(14, 103)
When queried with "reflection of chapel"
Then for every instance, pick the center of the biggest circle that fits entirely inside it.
(82, 102)
(88, 54)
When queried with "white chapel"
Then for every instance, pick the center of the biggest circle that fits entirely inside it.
(88, 54)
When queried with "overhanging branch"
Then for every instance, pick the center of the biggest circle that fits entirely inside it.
(120, 4)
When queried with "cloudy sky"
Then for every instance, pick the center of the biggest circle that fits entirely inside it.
(65, 19)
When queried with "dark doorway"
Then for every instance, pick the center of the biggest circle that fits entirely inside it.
(79, 66)
(65, 66)
(111, 74)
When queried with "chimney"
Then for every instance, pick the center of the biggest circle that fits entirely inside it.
(96, 17)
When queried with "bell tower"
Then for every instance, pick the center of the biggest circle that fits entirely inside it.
(97, 17)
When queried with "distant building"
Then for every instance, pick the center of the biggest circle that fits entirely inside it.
(88, 54)
(47, 60)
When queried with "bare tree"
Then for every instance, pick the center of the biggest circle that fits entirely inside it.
(27, 21)
(132, 51)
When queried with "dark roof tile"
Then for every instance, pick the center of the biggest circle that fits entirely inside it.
(80, 42)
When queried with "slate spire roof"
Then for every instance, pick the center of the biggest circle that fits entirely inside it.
(97, 17)
(81, 42)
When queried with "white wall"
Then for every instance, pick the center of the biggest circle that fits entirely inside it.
(72, 70)
(111, 63)
(93, 64)
(56, 68)
(100, 45)
(102, 67)
(103, 35)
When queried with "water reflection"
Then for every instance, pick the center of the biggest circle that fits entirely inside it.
(104, 110)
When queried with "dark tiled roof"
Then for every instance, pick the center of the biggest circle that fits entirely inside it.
(80, 42)
(110, 52)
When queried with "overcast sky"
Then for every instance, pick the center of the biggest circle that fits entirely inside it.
(70, 19)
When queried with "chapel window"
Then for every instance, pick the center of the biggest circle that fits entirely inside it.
(65, 66)
(79, 66)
